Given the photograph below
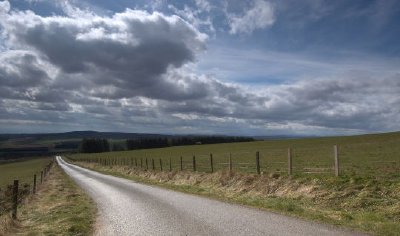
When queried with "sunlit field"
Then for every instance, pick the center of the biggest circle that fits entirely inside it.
(377, 154)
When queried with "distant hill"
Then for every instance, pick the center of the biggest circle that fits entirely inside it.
(78, 135)
(282, 137)
(44, 144)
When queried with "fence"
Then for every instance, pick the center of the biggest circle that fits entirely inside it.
(330, 160)
(15, 194)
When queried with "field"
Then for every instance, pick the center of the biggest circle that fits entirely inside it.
(377, 154)
(366, 195)
(22, 170)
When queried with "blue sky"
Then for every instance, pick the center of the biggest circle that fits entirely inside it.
(253, 67)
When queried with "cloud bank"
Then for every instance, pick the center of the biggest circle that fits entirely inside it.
(131, 72)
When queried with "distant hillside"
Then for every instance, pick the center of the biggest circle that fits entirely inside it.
(78, 135)
(25, 145)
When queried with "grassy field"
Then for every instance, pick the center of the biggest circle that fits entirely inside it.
(376, 154)
(22, 170)
(366, 196)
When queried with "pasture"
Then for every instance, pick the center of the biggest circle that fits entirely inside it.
(21, 170)
(365, 196)
(374, 154)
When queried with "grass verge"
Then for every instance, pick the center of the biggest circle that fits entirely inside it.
(59, 208)
(369, 205)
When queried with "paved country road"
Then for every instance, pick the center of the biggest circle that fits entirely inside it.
(130, 208)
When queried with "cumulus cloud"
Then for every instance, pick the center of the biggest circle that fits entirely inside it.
(129, 71)
(259, 16)
(4, 7)
(123, 56)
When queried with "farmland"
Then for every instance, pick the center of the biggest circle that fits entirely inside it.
(23, 171)
(365, 196)
(364, 155)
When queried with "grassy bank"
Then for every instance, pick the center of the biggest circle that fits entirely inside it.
(365, 204)
(59, 208)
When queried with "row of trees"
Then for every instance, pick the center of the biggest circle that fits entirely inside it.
(132, 144)
(92, 145)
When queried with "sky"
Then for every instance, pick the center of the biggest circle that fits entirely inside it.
(234, 67)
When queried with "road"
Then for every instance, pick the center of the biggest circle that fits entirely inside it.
(130, 208)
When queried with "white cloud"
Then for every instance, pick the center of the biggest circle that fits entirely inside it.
(259, 16)
(4, 7)
(195, 17)
(128, 71)
(203, 5)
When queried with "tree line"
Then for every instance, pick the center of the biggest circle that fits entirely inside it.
(133, 144)
(93, 145)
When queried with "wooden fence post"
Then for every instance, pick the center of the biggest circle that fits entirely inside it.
(161, 165)
(194, 163)
(34, 184)
(41, 176)
(170, 164)
(230, 162)
(15, 200)
(141, 163)
(147, 164)
(181, 163)
(135, 162)
(258, 162)
(211, 163)
(152, 163)
(336, 154)
(290, 161)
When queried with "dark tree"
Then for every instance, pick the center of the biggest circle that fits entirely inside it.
(94, 145)
(132, 144)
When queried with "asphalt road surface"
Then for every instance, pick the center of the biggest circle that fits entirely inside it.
(130, 208)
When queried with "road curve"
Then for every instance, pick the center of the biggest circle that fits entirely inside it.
(130, 208)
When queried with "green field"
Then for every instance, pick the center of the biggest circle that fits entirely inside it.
(376, 154)
(366, 195)
(22, 170)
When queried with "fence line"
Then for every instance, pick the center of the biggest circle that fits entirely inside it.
(18, 193)
(261, 162)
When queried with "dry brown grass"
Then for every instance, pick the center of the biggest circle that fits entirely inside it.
(58, 208)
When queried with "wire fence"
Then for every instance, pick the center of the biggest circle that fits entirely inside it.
(15, 193)
(331, 160)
